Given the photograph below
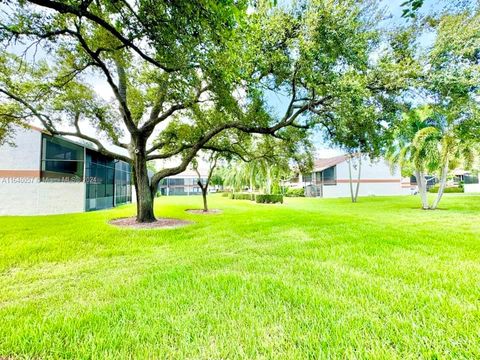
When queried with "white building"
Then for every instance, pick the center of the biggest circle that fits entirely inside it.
(185, 183)
(471, 184)
(44, 174)
(330, 179)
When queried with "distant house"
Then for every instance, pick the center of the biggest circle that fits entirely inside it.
(184, 183)
(330, 179)
(46, 174)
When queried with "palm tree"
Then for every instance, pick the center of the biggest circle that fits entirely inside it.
(257, 173)
(403, 152)
(443, 149)
(428, 142)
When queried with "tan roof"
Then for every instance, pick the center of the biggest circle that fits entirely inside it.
(322, 164)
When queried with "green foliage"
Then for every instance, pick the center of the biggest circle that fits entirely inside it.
(295, 192)
(447, 190)
(410, 7)
(242, 196)
(269, 198)
(216, 179)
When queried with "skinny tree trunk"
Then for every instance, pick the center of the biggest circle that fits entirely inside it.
(268, 187)
(443, 182)
(350, 178)
(358, 177)
(205, 205)
(422, 188)
(204, 189)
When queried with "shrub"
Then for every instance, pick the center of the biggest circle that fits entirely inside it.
(242, 196)
(293, 192)
(269, 199)
(447, 190)
(226, 194)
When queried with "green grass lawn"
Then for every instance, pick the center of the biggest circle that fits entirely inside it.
(312, 278)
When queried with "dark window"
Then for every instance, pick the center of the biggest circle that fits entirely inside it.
(307, 178)
(173, 182)
(471, 179)
(61, 159)
(100, 181)
(329, 176)
(317, 176)
(123, 185)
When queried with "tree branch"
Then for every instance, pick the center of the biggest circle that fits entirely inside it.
(100, 146)
(82, 11)
(155, 118)
(44, 119)
(116, 90)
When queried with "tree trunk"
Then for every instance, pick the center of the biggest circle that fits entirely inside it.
(422, 188)
(443, 182)
(350, 179)
(204, 194)
(204, 189)
(268, 187)
(358, 177)
(144, 192)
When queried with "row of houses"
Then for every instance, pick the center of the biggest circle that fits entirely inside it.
(330, 178)
(44, 174)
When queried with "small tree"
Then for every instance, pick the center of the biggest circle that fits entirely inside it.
(204, 183)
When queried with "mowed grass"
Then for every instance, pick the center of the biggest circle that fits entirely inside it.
(311, 278)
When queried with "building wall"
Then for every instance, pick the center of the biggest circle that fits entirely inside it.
(40, 198)
(21, 191)
(22, 160)
(376, 180)
(472, 188)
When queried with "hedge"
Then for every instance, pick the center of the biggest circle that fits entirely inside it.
(242, 196)
(291, 192)
(447, 190)
(268, 199)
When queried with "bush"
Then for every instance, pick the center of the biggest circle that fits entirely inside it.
(269, 199)
(242, 196)
(226, 194)
(293, 192)
(447, 190)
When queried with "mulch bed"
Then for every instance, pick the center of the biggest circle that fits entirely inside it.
(131, 223)
(201, 212)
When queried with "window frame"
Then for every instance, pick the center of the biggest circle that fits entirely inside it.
(77, 176)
